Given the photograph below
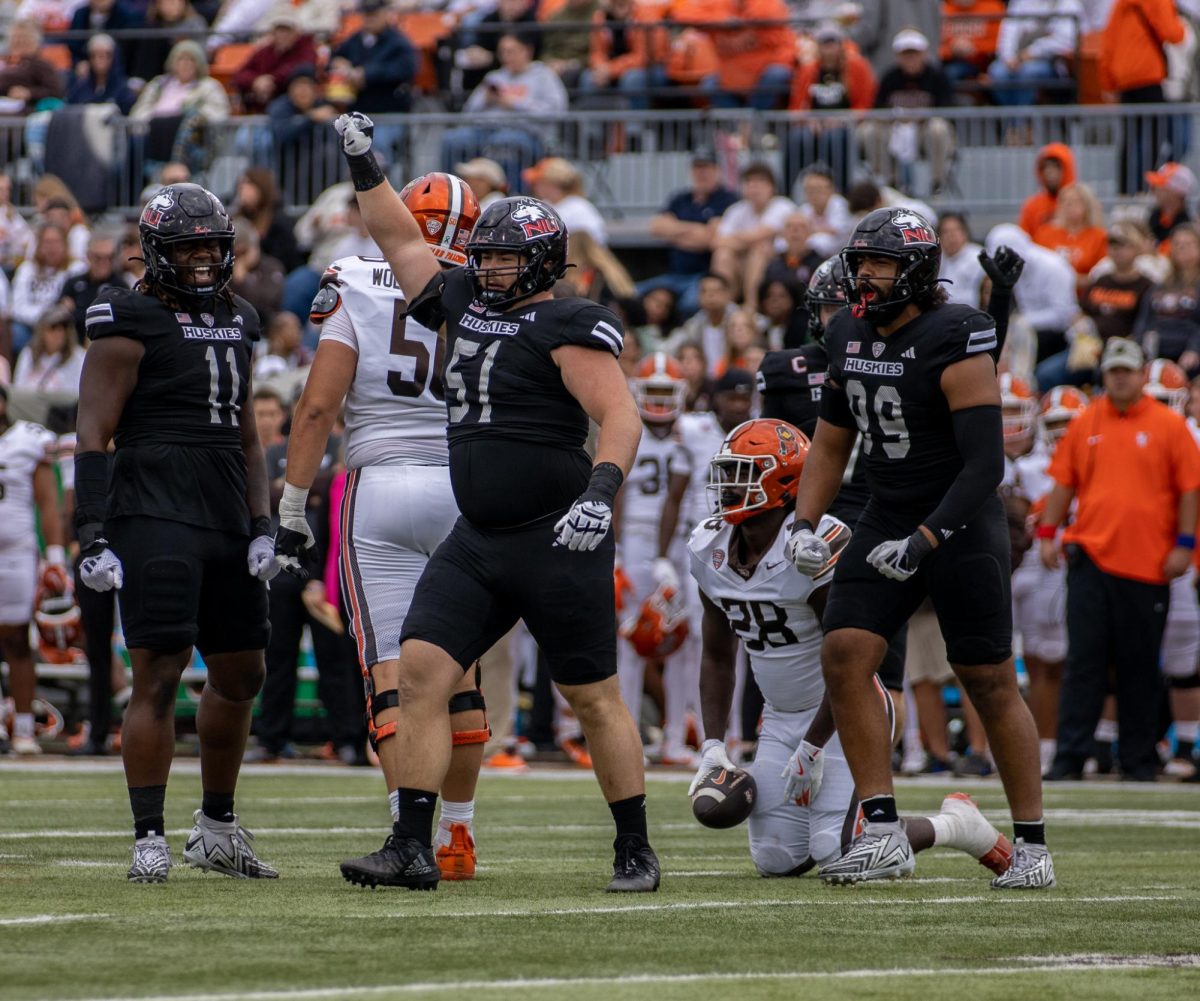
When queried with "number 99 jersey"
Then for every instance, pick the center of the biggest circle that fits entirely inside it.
(770, 612)
(889, 388)
(395, 414)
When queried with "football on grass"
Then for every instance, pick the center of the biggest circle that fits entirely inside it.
(724, 798)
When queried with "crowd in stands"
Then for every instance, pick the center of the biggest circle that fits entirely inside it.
(737, 251)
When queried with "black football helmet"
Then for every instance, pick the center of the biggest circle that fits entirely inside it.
(907, 237)
(825, 288)
(528, 226)
(177, 214)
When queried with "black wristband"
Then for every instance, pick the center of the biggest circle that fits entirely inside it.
(91, 487)
(801, 525)
(365, 171)
(91, 538)
(919, 547)
(606, 480)
(260, 526)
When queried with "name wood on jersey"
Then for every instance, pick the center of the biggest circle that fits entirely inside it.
(383, 278)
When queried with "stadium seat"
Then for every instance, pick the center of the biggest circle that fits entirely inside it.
(425, 29)
(228, 59)
(58, 56)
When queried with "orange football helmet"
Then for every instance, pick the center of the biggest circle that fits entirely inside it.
(1018, 407)
(446, 209)
(58, 620)
(757, 468)
(1060, 406)
(660, 626)
(1167, 383)
(659, 388)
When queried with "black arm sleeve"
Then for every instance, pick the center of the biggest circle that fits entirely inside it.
(427, 307)
(835, 408)
(979, 433)
(91, 487)
(999, 308)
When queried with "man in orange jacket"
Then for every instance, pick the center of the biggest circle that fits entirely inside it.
(1133, 66)
(1055, 167)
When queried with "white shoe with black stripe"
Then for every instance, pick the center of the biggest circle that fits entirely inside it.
(1032, 868)
(224, 847)
(151, 860)
(882, 851)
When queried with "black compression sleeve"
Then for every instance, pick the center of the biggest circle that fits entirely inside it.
(604, 483)
(365, 171)
(91, 487)
(835, 408)
(999, 308)
(979, 433)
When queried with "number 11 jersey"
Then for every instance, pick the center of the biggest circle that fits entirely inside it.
(516, 433)
(395, 409)
(889, 388)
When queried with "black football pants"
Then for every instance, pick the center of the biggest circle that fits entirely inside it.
(97, 612)
(1114, 634)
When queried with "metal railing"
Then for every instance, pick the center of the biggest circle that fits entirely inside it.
(631, 161)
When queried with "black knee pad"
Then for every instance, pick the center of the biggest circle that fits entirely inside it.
(465, 702)
(1183, 684)
(168, 619)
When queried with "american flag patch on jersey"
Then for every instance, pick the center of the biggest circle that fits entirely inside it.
(100, 312)
(852, 347)
(183, 317)
(982, 340)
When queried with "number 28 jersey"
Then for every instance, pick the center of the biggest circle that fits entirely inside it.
(770, 612)
(889, 388)
(179, 438)
(395, 414)
(516, 433)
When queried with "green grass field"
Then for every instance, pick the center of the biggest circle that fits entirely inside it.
(1124, 922)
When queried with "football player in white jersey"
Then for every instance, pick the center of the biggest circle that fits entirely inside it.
(28, 496)
(659, 388)
(398, 505)
(806, 811)
(1167, 383)
(1039, 595)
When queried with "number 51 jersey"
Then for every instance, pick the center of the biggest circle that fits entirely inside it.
(890, 389)
(395, 409)
(179, 439)
(770, 612)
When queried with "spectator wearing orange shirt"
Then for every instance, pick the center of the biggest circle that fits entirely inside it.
(838, 79)
(969, 37)
(1134, 468)
(625, 53)
(756, 60)
(1076, 230)
(1055, 168)
(1133, 66)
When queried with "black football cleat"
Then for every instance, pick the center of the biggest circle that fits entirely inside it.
(635, 868)
(400, 862)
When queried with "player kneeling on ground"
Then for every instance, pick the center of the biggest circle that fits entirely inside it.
(805, 811)
(183, 529)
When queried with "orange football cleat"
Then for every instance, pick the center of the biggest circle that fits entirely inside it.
(575, 750)
(507, 761)
(457, 859)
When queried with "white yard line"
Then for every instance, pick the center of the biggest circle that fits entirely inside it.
(51, 919)
(1049, 964)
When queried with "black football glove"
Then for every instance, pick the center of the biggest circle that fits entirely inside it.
(1004, 268)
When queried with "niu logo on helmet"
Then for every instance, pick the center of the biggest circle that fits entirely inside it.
(534, 221)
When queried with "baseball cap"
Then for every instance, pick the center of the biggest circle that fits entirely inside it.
(370, 6)
(1121, 352)
(736, 380)
(554, 169)
(1174, 177)
(284, 17)
(704, 154)
(829, 31)
(484, 168)
(910, 40)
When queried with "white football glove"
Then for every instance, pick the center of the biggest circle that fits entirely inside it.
(260, 558)
(102, 572)
(712, 755)
(665, 575)
(584, 526)
(898, 559)
(294, 535)
(803, 773)
(808, 552)
(356, 130)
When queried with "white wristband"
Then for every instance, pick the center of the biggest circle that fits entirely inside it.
(56, 556)
(293, 503)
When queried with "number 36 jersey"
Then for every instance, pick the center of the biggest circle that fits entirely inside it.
(889, 388)
(770, 612)
(395, 414)
(516, 433)
(179, 438)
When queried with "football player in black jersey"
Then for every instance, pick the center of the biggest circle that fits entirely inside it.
(182, 529)
(524, 372)
(917, 377)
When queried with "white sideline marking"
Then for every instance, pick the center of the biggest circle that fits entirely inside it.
(52, 919)
(1047, 964)
(80, 863)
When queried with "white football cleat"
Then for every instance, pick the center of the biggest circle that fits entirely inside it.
(26, 747)
(224, 847)
(151, 860)
(1031, 869)
(882, 851)
(960, 825)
